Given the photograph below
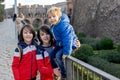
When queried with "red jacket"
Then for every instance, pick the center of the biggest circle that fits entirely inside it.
(27, 68)
(44, 65)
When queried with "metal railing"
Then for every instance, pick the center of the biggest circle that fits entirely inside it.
(79, 70)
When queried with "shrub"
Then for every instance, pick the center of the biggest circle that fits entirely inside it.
(90, 41)
(2, 11)
(83, 52)
(110, 55)
(80, 35)
(37, 23)
(105, 43)
(107, 60)
(118, 48)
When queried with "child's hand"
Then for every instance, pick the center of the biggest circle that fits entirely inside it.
(57, 72)
(78, 43)
(64, 56)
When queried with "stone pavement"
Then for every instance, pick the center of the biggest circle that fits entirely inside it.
(7, 45)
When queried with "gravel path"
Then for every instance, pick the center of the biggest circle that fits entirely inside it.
(7, 45)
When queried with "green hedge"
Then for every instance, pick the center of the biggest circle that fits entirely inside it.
(80, 35)
(83, 52)
(97, 44)
(37, 23)
(105, 44)
(90, 41)
(108, 61)
(118, 47)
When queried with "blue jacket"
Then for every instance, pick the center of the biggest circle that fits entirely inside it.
(64, 35)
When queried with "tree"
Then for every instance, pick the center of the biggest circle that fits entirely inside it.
(2, 10)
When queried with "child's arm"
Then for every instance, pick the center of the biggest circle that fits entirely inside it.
(64, 56)
(78, 44)
(15, 65)
(66, 38)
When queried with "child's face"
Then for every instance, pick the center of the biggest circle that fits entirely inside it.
(27, 36)
(45, 38)
(53, 19)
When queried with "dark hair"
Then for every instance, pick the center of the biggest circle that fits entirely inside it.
(46, 29)
(29, 27)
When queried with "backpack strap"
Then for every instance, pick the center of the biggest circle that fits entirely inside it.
(41, 50)
(20, 51)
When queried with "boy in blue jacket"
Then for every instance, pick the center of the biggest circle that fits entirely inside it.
(65, 38)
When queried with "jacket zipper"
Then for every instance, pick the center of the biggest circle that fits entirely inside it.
(31, 64)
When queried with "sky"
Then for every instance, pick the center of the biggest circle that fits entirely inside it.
(10, 3)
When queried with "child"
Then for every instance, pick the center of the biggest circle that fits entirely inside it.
(24, 67)
(43, 51)
(65, 38)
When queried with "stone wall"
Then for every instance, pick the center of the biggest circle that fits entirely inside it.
(98, 18)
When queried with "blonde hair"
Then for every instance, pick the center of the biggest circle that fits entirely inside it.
(55, 11)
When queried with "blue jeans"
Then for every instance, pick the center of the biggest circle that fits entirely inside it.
(56, 60)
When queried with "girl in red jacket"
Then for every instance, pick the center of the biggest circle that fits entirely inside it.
(43, 51)
(24, 65)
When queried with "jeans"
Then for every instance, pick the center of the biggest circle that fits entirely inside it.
(56, 60)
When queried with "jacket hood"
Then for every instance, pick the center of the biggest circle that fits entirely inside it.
(22, 43)
(64, 18)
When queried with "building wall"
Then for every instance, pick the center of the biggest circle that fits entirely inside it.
(98, 18)
(36, 10)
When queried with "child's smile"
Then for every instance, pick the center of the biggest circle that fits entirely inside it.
(45, 38)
